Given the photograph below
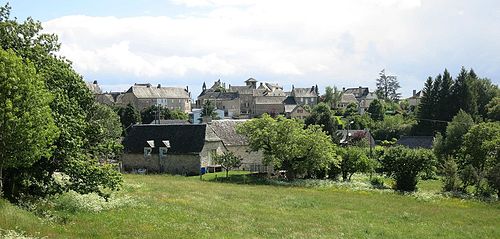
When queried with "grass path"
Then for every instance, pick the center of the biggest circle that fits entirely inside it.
(179, 207)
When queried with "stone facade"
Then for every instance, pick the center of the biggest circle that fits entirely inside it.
(185, 164)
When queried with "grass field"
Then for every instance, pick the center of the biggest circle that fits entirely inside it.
(160, 206)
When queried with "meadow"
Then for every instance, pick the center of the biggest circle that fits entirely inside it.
(163, 206)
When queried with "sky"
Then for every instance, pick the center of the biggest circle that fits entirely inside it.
(341, 43)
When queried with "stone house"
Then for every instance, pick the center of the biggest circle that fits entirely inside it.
(414, 100)
(176, 148)
(143, 96)
(305, 96)
(363, 96)
(246, 95)
(229, 102)
(238, 144)
(346, 99)
(298, 112)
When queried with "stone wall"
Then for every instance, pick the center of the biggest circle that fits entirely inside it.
(185, 164)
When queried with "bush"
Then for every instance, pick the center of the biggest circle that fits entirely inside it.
(354, 160)
(451, 180)
(404, 165)
(377, 182)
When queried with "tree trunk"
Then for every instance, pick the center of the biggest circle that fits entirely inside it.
(227, 172)
(1, 179)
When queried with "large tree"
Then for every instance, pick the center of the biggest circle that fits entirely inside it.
(322, 115)
(72, 155)
(287, 145)
(27, 128)
(376, 110)
(387, 87)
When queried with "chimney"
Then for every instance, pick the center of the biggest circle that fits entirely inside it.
(414, 92)
(95, 82)
(187, 88)
(159, 86)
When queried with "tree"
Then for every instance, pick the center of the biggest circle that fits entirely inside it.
(227, 160)
(480, 153)
(404, 165)
(27, 128)
(287, 145)
(354, 160)
(387, 87)
(351, 109)
(208, 110)
(129, 116)
(104, 139)
(393, 126)
(376, 110)
(71, 153)
(493, 109)
(322, 115)
(450, 145)
(328, 96)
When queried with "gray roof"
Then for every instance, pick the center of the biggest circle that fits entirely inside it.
(348, 98)
(93, 87)
(226, 130)
(416, 141)
(150, 92)
(242, 90)
(269, 100)
(358, 92)
(352, 133)
(163, 121)
(219, 95)
(304, 92)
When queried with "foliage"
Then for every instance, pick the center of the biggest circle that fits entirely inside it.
(404, 165)
(287, 145)
(151, 113)
(71, 110)
(328, 96)
(129, 116)
(443, 98)
(451, 179)
(208, 110)
(360, 121)
(387, 87)
(228, 160)
(392, 127)
(493, 109)
(322, 115)
(354, 160)
(480, 153)
(103, 139)
(27, 128)
(351, 109)
(376, 110)
(449, 145)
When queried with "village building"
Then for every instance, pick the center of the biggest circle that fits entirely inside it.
(142, 96)
(305, 96)
(414, 100)
(363, 97)
(175, 148)
(238, 144)
(229, 102)
(246, 95)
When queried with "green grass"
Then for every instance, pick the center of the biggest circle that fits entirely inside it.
(162, 206)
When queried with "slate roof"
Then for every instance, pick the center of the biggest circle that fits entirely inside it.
(146, 91)
(226, 131)
(304, 92)
(357, 92)
(348, 98)
(220, 95)
(290, 100)
(184, 139)
(351, 133)
(163, 121)
(269, 100)
(416, 141)
(242, 90)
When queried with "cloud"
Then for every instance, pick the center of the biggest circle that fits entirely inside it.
(343, 43)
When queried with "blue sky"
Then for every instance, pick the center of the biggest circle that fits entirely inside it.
(325, 42)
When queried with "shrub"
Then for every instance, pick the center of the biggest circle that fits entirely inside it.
(377, 182)
(404, 165)
(451, 180)
(354, 160)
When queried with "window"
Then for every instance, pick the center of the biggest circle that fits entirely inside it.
(163, 151)
(300, 111)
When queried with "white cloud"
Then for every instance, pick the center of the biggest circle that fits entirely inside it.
(336, 42)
